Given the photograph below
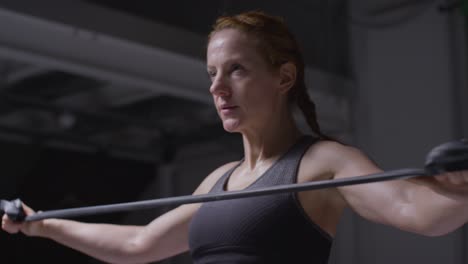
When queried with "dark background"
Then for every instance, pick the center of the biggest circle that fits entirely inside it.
(88, 117)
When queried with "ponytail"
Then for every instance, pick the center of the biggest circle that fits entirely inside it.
(307, 106)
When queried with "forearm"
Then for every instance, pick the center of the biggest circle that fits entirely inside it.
(426, 205)
(428, 210)
(109, 243)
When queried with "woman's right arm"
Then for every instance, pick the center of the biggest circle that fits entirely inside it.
(164, 237)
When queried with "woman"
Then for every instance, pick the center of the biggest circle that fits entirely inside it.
(257, 75)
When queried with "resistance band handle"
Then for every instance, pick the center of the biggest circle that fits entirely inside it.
(448, 157)
(13, 209)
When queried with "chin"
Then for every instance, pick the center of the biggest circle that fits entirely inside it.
(231, 126)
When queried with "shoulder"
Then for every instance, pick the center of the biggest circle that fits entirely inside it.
(213, 177)
(333, 157)
(327, 151)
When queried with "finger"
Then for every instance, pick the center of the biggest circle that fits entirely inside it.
(9, 226)
(8, 221)
(28, 210)
(464, 176)
(455, 178)
(442, 178)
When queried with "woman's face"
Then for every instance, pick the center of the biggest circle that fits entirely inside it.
(245, 88)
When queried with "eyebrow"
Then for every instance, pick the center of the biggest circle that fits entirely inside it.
(236, 59)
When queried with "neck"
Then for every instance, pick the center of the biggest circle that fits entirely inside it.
(270, 141)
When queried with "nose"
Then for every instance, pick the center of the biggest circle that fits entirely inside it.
(220, 87)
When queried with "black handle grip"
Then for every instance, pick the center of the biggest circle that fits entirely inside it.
(447, 157)
(13, 209)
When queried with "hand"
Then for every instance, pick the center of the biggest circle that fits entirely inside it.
(454, 182)
(459, 178)
(27, 228)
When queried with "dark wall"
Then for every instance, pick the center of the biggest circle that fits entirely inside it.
(48, 179)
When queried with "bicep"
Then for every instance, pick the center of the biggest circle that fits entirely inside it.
(377, 202)
(416, 205)
(168, 234)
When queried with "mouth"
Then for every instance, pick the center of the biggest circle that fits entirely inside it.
(227, 109)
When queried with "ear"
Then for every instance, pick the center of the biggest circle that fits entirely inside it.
(288, 73)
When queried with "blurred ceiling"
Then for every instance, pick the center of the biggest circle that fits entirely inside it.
(128, 77)
(321, 26)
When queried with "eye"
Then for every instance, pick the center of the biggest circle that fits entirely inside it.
(211, 74)
(236, 67)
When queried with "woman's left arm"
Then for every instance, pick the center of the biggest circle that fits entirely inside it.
(427, 205)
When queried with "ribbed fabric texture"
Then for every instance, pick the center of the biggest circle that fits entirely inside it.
(265, 229)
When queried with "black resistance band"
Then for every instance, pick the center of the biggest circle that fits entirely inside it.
(448, 157)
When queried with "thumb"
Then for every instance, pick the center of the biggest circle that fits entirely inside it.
(28, 210)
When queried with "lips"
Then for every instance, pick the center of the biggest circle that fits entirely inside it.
(227, 109)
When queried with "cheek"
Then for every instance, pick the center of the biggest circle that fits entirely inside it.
(261, 95)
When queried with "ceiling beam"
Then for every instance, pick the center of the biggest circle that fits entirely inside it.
(101, 56)
(129, 61)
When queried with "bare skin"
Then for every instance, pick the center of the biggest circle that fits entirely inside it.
(251, 99)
